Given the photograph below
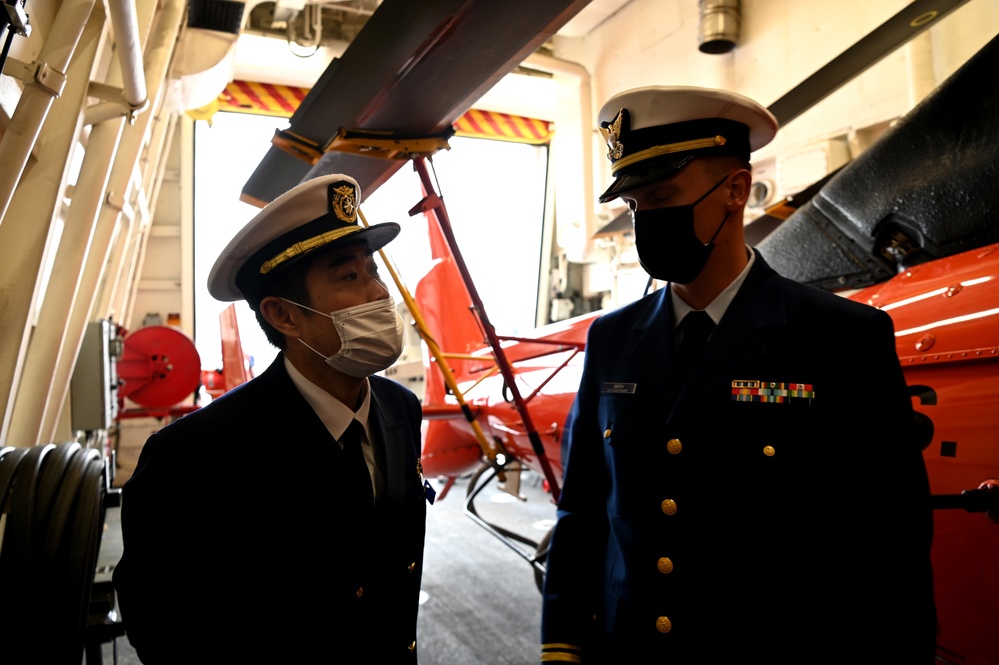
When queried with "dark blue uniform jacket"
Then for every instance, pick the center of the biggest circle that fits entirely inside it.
(775, 509)
(240, 547)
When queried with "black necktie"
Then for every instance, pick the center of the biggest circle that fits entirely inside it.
(357, 478)
(693, 335)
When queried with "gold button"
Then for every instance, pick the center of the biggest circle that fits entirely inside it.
(607, 433)
(669, 506)
(664, 625)
(665, 565)
(359, 592)
(674, 446)
(768, 451)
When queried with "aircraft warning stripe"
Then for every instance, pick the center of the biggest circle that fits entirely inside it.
(263, 98)
(503, 126)
(283, 101)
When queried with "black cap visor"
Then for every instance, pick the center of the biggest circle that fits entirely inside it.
(650, 171)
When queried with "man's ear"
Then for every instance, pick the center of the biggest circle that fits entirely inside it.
(742, 181)
(281, 315)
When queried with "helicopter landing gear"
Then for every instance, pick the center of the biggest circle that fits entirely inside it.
(532, 551)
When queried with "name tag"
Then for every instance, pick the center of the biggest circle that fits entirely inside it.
(618, 388)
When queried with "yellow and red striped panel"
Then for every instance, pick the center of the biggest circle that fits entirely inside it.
(283, 100)
(262, 98)
(503, 127)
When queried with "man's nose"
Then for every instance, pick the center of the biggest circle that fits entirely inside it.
(376, 287)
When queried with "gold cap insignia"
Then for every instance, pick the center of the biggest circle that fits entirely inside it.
(344, 203)
(611, 131)
(612, 135)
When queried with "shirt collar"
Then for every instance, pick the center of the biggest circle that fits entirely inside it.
(334, 413)
(716, 308)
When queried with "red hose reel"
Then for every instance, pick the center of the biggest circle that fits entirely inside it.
(158, 369)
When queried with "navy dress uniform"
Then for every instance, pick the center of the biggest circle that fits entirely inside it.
(774, 506)
(241, 543)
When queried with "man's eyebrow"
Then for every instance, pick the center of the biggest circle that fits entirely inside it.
(342, 257)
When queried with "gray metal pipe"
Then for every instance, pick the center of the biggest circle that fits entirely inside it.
(719, 25)
(126, 34)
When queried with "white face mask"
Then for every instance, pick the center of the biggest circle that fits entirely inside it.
(370, 337)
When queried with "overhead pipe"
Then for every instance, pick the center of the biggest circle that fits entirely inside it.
(312, 24)
(124, 21)
(574, 205)
(719, 25)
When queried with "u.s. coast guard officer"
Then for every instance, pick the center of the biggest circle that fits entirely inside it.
(758, 496)
(284, 522)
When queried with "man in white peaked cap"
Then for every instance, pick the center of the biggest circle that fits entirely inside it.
(285, 520)
(743, 479)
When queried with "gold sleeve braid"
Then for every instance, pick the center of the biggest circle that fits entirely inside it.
(558, 652)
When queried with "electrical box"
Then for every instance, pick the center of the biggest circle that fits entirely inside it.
(94, 387)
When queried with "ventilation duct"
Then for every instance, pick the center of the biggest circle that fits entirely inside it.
(719, 25)
(204, 60)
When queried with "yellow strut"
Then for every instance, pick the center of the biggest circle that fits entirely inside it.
(421, 325)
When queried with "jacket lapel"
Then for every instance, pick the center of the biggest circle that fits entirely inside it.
(652, 346)
(289, 401)
(384, 424)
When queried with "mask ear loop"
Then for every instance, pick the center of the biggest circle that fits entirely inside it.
(326, 314)
(337, 328)
(312, 348)
(724, 219)
(712, 241)
(708, 193)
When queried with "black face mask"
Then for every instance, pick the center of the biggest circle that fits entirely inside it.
(668, 248)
